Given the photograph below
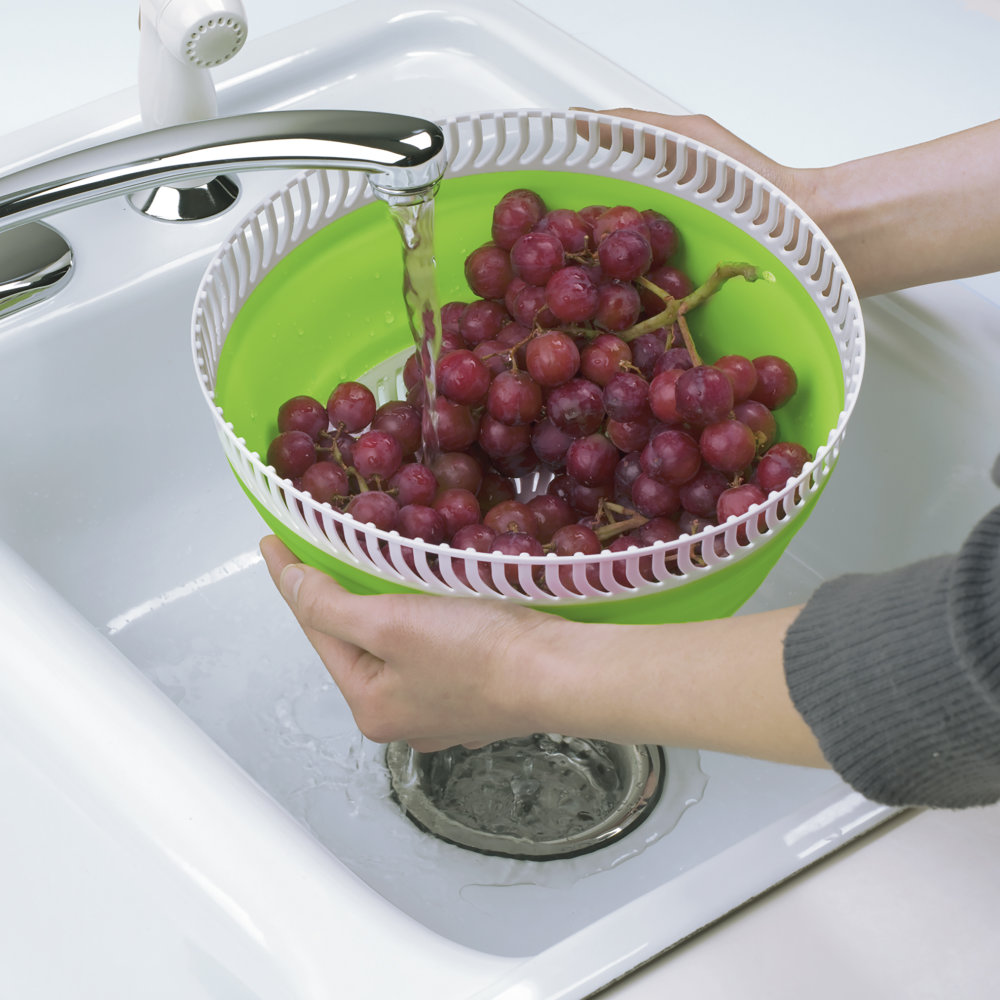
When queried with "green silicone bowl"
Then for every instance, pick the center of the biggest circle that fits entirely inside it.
(307, 293)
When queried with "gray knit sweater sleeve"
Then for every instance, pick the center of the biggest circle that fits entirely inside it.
(898, 675)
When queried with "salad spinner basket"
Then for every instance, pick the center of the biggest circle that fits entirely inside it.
(307, 292)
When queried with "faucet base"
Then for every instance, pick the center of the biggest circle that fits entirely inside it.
(189, 203)
(35, 262)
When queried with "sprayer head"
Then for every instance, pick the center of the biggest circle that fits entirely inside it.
(198, 33)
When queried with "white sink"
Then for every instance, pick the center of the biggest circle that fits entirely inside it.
(153, 680)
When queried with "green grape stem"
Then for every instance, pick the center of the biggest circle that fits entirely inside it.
(674, 309)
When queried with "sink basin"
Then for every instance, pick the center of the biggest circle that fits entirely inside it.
(153, 678)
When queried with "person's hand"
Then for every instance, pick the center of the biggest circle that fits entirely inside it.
(434, 671)
(704, 129)
(901, 218)
(441, 671)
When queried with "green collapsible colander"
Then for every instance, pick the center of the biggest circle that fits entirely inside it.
(307, 292)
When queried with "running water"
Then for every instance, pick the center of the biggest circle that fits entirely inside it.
(414, 219)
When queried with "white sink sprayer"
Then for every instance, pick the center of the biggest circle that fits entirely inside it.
(237, 835)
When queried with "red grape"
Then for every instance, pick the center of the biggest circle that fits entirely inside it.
(352, 405)
(494, 489)
(514, 398)
(760, 420)
(291, 453)
(502, 440)
(536, 256)
(551, 513)
(646, 349)
(700, 495)
(776, 381)
(729, 446)
(528, 306)
(673, 281)
(626, 396)
(414, 483)
(654, 498)
(515, 214)
(488, 271)
(571, 295)
(402, 420)
(737, 500)
(617, 217)
(572, 539)
(625, 255)
(778, 464)
(603, 358)
(476, 536)
(419, 521)
(663, 236)
(550, 444)
(630, 435)
(742, 373)
(626, 472)
(568, 226)
(462, 377)
(456, 425)
(376, 508)
(703, 395)
(482, 320)
(663, 396)
(657, 530)
(552, 358)
(591, 460)
(377, 454)
(303, 413)
(511, 515)
(326, 482)
(618, 306)
(673, 358)
(458, 507)
(576, 407)
(672, 456)
(457, 468)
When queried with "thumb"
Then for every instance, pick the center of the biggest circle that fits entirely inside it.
(313, 605)
(283, 565)
(320, 604)
(317, 610)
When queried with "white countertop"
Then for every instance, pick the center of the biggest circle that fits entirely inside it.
(911, 910)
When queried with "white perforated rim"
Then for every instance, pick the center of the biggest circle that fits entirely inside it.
(534, 140)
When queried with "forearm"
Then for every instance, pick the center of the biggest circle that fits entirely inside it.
(907, 217)
(717, 685)
(912, 216)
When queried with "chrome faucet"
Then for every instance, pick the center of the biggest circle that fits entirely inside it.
(403, 157)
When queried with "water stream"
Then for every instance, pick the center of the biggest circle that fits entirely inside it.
(533, 789)
(414, 218)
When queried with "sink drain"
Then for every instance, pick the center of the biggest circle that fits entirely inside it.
(534, 798)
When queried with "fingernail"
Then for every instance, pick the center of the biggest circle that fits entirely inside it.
(291, 579)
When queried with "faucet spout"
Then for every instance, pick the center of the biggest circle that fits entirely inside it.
(402, 157)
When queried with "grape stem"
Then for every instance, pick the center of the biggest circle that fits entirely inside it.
(612, 529)
(674, 309)
(334, 449)
(606, 532)
(687, 338)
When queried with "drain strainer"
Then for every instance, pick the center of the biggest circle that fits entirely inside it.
(535, 798)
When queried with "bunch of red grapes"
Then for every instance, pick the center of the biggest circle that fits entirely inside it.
(572, 358)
